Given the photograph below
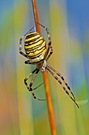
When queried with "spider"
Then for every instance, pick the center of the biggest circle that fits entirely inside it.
(37, 51)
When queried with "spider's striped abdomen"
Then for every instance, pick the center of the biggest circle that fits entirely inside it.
(35, 47)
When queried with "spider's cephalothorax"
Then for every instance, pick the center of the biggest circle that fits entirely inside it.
(37, 51)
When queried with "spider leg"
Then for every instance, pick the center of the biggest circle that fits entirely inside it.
(60, 78)
(34, 72)
(38, 86)
(25, 80)
(30, 86)
(20, 43)
(49, 45)
(29, 30)
(28, 62)
(20, 47)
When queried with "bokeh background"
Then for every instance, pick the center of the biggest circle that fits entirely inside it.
(68, 23)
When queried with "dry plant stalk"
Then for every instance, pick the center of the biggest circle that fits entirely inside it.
(45, 78)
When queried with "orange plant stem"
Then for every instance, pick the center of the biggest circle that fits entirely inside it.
(49, 104)
(45, 78)
(35, 13)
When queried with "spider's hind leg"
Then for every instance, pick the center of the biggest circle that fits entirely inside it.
(61, 80)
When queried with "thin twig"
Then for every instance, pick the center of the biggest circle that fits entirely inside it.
(45, 78)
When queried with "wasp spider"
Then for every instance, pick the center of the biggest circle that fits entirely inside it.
(37, 51)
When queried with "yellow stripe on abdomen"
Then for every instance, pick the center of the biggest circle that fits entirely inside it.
(33, 54)
(29, 46)
(31, 38)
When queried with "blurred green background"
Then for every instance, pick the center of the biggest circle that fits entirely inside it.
(68, 23)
